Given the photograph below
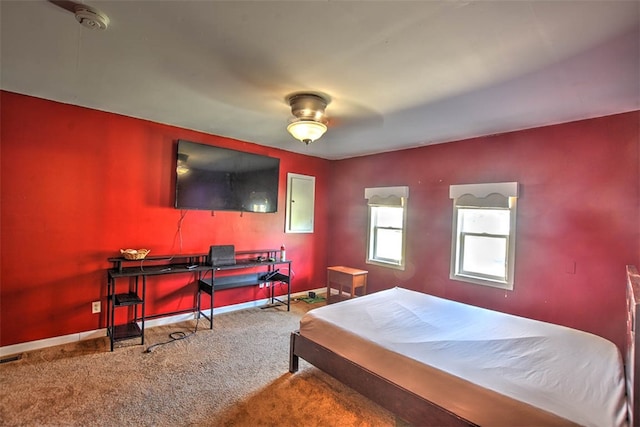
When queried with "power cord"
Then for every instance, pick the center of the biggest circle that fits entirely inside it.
(179, 335)
(174, 336)
(178, 235)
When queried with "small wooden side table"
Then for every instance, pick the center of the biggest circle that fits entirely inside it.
(345, 279)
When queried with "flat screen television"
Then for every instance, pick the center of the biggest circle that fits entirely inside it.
(220, 179)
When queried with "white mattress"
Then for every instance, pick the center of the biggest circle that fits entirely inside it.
(476, 362)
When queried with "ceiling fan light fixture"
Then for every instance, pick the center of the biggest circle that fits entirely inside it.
(310, 122)
(307, 131)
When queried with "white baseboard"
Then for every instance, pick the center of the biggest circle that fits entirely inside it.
(14, 349)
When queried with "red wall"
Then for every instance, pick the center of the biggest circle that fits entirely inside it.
(79, 184)
(579, 206)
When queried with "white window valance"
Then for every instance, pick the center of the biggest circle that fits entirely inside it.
(483, 195)
(386, 196)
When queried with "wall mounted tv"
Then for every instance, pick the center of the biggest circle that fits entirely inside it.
(220, 179)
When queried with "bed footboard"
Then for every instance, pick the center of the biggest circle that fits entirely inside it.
(411, 407)
(632, 364)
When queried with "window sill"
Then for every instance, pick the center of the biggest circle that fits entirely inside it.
(385, 264)
(485, 282)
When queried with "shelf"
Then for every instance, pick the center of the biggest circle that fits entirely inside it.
(156, 270)
(243, 263)
(239, 280)
(123, 332)
(147, 264)
(127, 299)
(278, 277)
(228, 282)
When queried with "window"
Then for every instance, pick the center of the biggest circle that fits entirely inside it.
(387, 226)
(483, 238)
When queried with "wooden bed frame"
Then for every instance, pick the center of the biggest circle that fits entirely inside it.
(631, 362)
(419, 411)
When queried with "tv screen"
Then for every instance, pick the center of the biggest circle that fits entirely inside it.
(220, 179)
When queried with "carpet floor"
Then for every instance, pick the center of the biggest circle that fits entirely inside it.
(233, 375)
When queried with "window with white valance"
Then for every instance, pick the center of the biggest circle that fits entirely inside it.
(484, 232)
(386, 237)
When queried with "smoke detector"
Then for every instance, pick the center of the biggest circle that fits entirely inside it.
(91, 18)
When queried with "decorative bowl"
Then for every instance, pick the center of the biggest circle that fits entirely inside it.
(134, 254)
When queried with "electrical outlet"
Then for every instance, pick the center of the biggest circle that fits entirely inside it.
(95, 307)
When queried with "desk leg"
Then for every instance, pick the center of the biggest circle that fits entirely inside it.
(111, 311)
(144, 302)
(272, 294)
(211, 309)
(198, 296)
(289, 292)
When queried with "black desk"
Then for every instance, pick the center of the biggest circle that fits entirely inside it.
(271, 273)
(206, 276)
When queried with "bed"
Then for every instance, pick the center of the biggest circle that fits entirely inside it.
(436, 362)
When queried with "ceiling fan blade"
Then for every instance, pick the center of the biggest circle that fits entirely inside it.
(67, 5)
(347, 114)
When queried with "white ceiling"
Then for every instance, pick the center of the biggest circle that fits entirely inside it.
(399, 74)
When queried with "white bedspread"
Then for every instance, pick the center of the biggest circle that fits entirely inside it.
(402, 334)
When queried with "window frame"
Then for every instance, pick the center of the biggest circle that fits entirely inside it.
(385, 197)
(480, 200)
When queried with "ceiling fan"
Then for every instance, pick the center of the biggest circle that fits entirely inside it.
(87, 16)
(310, 120)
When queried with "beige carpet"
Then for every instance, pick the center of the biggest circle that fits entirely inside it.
(233, 375)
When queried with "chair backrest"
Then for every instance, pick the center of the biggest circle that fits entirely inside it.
(220, 255)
